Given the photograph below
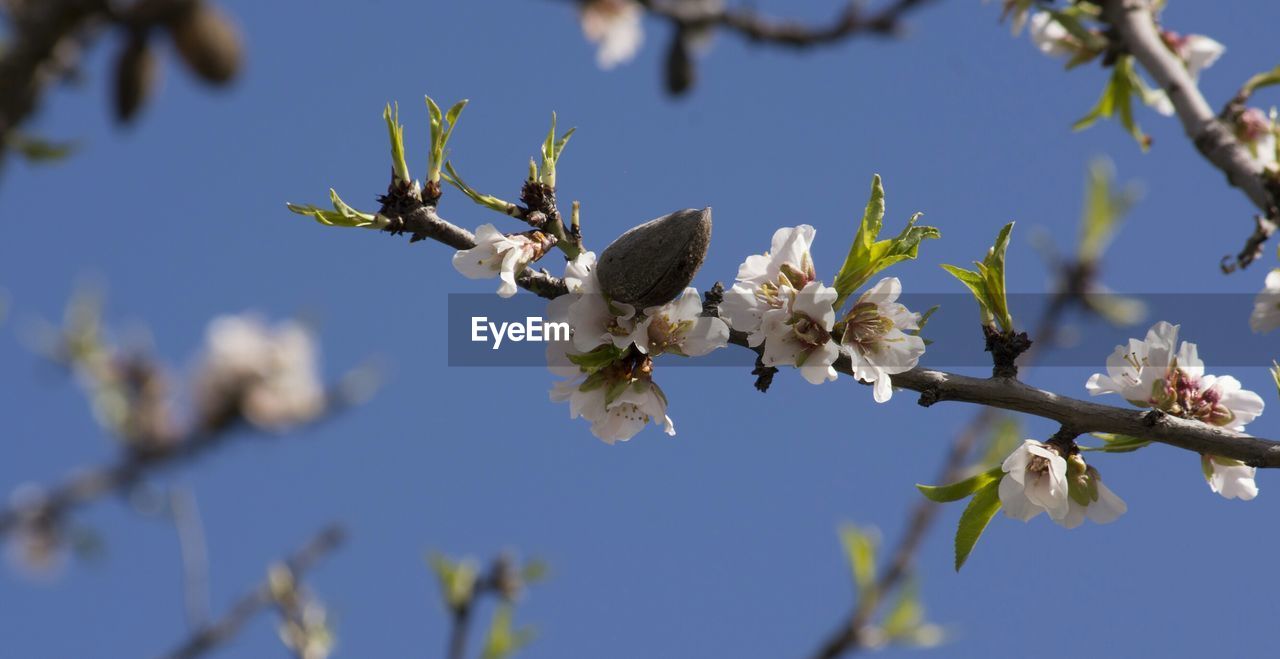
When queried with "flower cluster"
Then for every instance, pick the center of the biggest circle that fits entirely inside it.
(1158, 373)
(609, 360)
(1037, 479)
(268, 375)
(779, 302)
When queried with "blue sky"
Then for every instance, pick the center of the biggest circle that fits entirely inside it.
(720, 541)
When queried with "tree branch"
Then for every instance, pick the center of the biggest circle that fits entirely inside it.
(261, 598)
(1009, 394)
(1135, 26)
(756, 27)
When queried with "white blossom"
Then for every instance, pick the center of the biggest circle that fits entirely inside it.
(619, 399)
(1133, 370)
(1034, 481)
(616, 27)
(498, 255)
(1088, 497)
(875, 337)
(1197, 51)
(1150, 374)
(1230, 478)
(799, 334)
(1050, 37)
(768, 281)
(1257, 131)
(271, 373)
(1266, 307)
(679, 327)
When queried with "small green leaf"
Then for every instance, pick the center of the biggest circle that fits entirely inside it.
(488, 201)
(1117, 100)
(442, 125)
(867, 256)
(1104, 208)
(960, 489)
(342, 215)
(457, 579)
(597, 359)
(396, 133)
(982, 507)
(551, 149)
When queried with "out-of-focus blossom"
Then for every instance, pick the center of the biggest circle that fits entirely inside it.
(616, 27)
(267, 374)
(1266, 307)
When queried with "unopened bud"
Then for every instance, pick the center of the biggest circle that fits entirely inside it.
(208, 42)
(135, 77)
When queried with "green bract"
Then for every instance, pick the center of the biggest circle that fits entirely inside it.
(488, 201)
(395, 132)
(867, 256)
(987, 283)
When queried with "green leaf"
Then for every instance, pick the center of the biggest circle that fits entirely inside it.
(457, 579)
(1117, 100)
(442, 125)
(867, 256)
(488, 201)
(502, 639)
(597, 359)
(960, 489)
(1113, 443)
(860, 550)
(1260, 80)
(982, 507)
(534, 570)
(342, 215)
(551, 149)
(396, 133)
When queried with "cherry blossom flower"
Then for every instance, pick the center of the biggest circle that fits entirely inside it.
(1034, 481)
(619, 398)
(1197, 51)
(1088, 497)
(1266, 307)
(680, 328)
(1133, 370)
(1230, 478)
(616, 27)
(799, 334)
(768, 281)
(1150, 374)
(499, 255)
(269, 375)
(875, 340)
(1050, 37)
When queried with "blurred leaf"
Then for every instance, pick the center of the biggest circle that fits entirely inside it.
(1117, 100)
(1113, 443)
(1006, 435)
(1104, 208)
(1116, 309)
(457, 579)
(982, 507)
(534, 570)
(860, 550)
(867, 256)
(39, 150)
(503, 640)
(960, 489)
(1260, 80)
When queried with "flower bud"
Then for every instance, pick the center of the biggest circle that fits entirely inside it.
(653, 263)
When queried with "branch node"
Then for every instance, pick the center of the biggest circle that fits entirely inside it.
(1005, 347)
